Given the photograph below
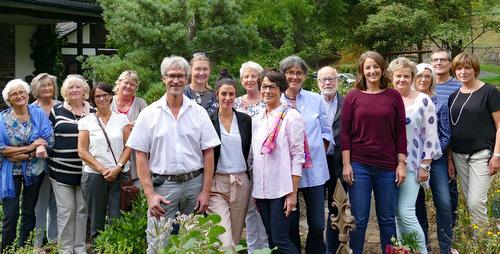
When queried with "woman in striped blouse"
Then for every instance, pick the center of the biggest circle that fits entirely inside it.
(65, 167)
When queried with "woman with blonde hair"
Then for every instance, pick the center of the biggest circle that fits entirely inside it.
(127, 103)
(65, 167)
(199, 90)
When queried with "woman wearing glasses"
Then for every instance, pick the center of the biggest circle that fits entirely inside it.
(25, 132)
(319, 134)
(101, 140)
(127, 103)
(65, 167)
(199, 90)
(278, 149)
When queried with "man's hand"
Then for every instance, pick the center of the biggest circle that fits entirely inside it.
(154, 205)
(202, 202)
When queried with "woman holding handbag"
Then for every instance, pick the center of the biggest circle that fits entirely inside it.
(101, 140)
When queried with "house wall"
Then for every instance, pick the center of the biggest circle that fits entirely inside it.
(7, 56)
(24, 64)
(86, 40)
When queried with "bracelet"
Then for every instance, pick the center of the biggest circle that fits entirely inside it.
(402, 161)
(496, 155)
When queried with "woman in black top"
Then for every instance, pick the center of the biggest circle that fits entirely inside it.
(475, 134)
(65, 167)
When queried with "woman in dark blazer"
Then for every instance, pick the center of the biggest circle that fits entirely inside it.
(231, 186)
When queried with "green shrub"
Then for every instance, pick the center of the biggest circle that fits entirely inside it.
(127, 234)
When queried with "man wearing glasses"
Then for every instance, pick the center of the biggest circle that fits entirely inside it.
(328, 82)
(441, 62)
(179, 137)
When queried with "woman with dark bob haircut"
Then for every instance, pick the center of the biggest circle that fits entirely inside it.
(278, 149)
(373, 143)
(101, 140)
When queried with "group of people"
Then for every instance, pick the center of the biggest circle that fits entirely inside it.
(203, 150)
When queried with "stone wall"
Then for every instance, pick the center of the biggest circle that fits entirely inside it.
(487, 55)
(7, 56)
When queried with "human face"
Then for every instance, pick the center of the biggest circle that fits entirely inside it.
(440, 62)
(46, 89)
(249, 79)
(127, 87)
(423, 82)
(75, 91)
(270, 93)
(102, 99)
(226, 96)
(328, 81)
(466, 74)
(372, 71)
(175, 80)
(295, 77)
(200, 72)
(18, 96)
(402, 78)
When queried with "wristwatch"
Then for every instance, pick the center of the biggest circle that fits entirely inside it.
(121, 166)
(496, 155)
(425, 167)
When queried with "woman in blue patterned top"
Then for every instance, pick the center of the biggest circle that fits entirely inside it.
(425, 82)
(422, 145)
(25, 132)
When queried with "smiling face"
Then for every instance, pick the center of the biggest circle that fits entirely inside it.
(441, 63)
(75, 91)
(200, 72)
(226, 96)
(295, 77)
(126, 87)
(270, 93)
(402, 79)
(423, 81)
(18, 96)
(175, 80)
(102, 99)
(46, 89)
(328, 81)
(466, 74)
(372, 71)
(249, 79)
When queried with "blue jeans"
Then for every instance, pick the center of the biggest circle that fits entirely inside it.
(277, 225)
(315, 203)
(442, 201)
(385, 190)
(11, 213)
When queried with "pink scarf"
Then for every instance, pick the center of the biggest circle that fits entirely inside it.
(270, 141)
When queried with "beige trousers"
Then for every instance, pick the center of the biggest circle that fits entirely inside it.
(229, 198)
(475, 181)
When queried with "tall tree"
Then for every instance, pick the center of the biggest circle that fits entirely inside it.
(145, 31)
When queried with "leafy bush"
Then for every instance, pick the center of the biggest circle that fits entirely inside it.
(127, 234)
(50, 248)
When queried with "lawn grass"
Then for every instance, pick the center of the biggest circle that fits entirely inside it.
(491, 68)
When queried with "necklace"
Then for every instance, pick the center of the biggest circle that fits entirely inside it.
(14, 113)
(126, 109)
(77, 118)
(411, 91)
(290, 98)
(460, 113)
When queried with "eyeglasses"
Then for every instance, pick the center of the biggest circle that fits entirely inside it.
(172, 77)
(199, 54)
(424, 77)
(326, 80)
(442, 60)
(272, 88)
(101, 96)
(298, 74)
(126, 83)
(17, 95)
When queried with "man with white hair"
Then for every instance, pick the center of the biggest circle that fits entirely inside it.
(179, 137)
(328, 82)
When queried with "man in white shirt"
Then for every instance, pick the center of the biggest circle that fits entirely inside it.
(179, 136)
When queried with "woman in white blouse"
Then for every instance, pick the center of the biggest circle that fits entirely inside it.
(104, 158)
(422, 145)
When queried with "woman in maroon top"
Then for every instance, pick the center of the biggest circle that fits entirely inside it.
(373, 143)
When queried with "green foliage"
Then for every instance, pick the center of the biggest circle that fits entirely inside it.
(146, 31)
(50, 248)
(127, 234)
(45, 44)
